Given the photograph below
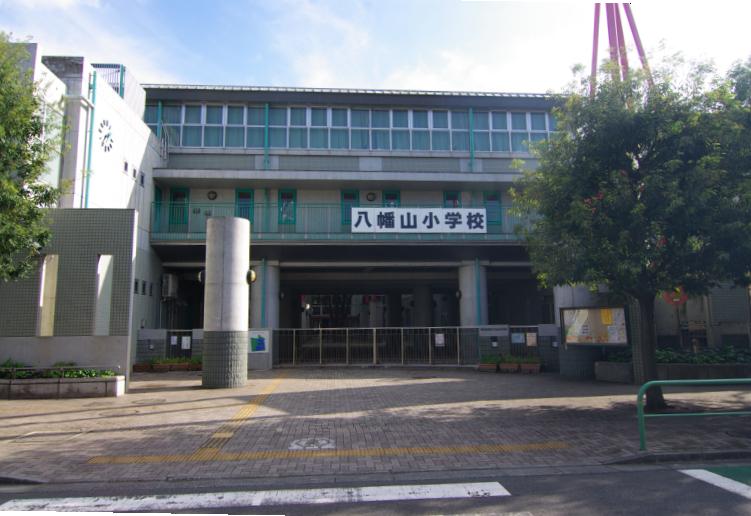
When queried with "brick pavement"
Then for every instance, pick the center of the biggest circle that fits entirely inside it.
(363, 421)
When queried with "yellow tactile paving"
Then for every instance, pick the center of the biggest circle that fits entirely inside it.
(215, 454)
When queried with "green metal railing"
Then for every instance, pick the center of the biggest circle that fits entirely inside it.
(659, 383)
(298, 221)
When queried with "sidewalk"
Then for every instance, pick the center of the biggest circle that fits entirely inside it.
(293, 422)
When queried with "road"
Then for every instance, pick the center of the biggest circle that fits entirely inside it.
(590, 490)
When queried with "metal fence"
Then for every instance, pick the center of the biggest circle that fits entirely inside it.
(402, 346)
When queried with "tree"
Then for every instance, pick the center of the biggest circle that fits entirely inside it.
(27, 141)
(644, 189)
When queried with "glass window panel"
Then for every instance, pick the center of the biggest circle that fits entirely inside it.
(482, 141)
(192, 114)
(172, 114)
(381, 140)
(481, 120)
(538, 137)
(440, 119)
(173, 134)
(553, 123)
(500, 142)
(401, 117)
(297, 117)
(460, 140)
(319, 138)
(339, 117)
(277, 137)
(255, 116)
(452, 199)
(440, 140)
(235, 115)
(400, 140)
(459, 120)
(339, 139)
(420, 140)
(318, 117)
(278, 116)
(538, 121)
(360, 118)
(234, 137)
(519, 142)
(151, 114)
(298, 138)
(420, 119)
(212, 136)
(214, 114)
(255, 137)
(380, 118)
(519, 121)
(360, 138)
(499, 120)
(192, 136)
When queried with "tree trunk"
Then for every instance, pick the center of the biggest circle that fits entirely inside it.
(645, 364)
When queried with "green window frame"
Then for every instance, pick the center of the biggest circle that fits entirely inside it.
(349, 199)
(287, 206)
(391, 198)
(244, 203)
(452, 199)
(493, 207)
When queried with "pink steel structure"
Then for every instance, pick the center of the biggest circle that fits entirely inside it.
(617, 42)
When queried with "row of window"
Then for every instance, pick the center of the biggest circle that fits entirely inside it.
(287, 200)
(142, 283)
(350, 128)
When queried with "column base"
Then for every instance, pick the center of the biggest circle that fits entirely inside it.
(225, 359)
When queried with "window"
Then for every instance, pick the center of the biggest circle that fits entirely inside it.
(519, 135)
(125, 167)
(391, 198)
(439, 136)
(452, 199)
(255, 131)
(135, 286)
(339, 137)
(360, 137)
(459, 130)
(192, 127)
(420, 134)
(151, 289)
(135, 173)
(141, 179)
(143, 287)
(400, 131)
(499, 137)
(537, 122)
(234, 133)
(213, 131)
(172, 116)
(287, 209)
(481, 125)
(278, 129)
(350, 199)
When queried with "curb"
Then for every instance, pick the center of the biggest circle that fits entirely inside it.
(19, 480)
(656, 458)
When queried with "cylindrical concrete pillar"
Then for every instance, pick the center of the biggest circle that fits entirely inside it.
(264, 296)
(225, 315)
(422, 314)
(473, 285)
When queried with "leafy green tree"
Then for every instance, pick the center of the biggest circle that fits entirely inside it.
(644, 189)
(27, 142)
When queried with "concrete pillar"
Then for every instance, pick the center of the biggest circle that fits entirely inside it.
(422, 313)
(473, 285)
(225, 315)
(394, 314)
(264, 296)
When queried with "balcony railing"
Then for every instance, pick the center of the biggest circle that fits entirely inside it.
(299, 221)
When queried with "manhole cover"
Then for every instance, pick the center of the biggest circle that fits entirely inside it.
(312, 443)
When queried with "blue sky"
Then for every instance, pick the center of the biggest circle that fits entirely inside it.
(408, 44)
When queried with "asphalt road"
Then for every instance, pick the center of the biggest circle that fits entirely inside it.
(623, 490)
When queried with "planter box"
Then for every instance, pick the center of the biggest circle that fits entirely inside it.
(38, 388)
(505, 367)
(160, 368)
(179, 367)
(529, 368)
(141, 368)
(195, 367)
(615, 372)
(488, 368)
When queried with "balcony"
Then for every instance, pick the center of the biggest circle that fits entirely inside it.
(294, 222)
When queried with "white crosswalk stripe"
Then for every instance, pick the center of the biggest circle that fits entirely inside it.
(259, 498)
(720, 481)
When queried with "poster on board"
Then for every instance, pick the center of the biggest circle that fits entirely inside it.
(604, 326)
(259, 340)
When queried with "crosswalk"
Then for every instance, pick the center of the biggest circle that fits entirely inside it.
(721, 481)
(230, 499)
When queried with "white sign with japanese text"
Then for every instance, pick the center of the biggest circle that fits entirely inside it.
(418, 220)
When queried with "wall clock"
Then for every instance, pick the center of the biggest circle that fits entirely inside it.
(105, 135)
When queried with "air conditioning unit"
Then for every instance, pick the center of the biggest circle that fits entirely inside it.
(169, 286)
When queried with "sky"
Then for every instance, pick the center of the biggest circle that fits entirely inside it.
(447, 45)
